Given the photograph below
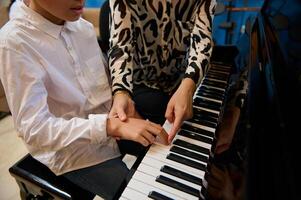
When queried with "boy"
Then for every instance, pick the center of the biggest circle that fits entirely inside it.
(53, 73)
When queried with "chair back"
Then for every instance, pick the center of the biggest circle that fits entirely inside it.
(104, 30)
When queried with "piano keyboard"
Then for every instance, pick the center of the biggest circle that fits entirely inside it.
(178, 171)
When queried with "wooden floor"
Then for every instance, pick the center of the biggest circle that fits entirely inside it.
(11, 150)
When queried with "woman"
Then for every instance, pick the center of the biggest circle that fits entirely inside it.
(159, 53)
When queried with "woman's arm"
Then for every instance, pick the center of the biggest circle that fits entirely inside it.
(121, 46)
(200, 42)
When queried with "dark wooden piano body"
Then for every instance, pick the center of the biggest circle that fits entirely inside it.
(273, 108)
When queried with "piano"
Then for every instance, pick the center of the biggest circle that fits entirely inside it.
(178, 171)
(270, 120)
(273, 103)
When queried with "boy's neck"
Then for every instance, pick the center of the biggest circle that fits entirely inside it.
(37, 8)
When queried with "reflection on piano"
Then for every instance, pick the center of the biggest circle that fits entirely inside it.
(178, 171)
(274, 102)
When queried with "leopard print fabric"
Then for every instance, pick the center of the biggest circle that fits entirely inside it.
(159, 42)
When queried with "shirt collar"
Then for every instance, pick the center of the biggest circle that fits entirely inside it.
(42, 23)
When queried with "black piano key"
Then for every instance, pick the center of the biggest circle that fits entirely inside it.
(185, 161)
(216, 77)
(179, 186)
(218, 71)
(214, 93)
(203, 194)
(205, 113)
(215, 90)
(221, 75)
(189, 154)
(195, 136)
(157, 196)
(214, 83)
(220, 68)
(214, 103)
(207, 104)
(210, 95)
(202, 114)
(182, 175)
(203, 122)
(215, 80)
(197, 130)
(201, 117)
(193, 147)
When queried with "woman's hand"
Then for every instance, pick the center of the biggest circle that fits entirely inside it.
(179, 107)
(123, 106)
(138, 130)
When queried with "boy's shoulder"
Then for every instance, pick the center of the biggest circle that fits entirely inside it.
(82, 25)
(8, 32)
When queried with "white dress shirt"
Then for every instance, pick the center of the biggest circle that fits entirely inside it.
(57, 90)
(14, 8)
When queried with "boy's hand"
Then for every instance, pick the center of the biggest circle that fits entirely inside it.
(179, 107)
(139, 130)
(123, 106)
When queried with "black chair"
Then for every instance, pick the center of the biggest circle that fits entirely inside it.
(37, 182)
(104, 30)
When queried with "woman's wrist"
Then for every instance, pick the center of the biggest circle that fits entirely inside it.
(189, 85)
(121, 92)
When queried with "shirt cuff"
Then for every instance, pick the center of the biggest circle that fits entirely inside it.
(98, 128)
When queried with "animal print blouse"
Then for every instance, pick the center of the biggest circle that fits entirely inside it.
(159, 42)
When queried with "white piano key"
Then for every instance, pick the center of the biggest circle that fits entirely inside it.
(157, 160)
(131, 194)
(123, 198)
(156, 172)
(152, 181)
(167, 126)
(146, 188)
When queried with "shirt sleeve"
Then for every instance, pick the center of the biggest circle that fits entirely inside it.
(121, 46)
(200, 42)
(24, 84)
